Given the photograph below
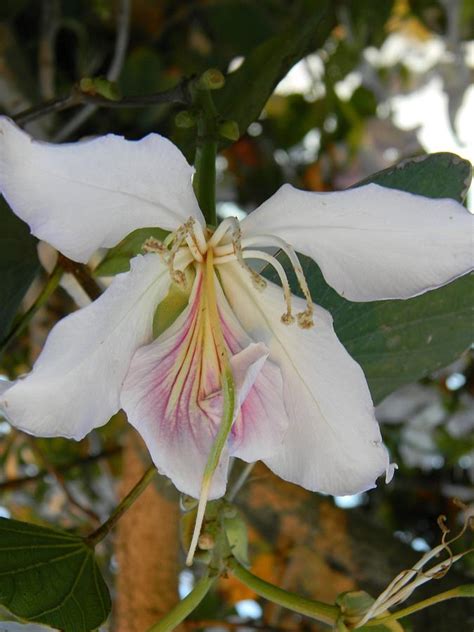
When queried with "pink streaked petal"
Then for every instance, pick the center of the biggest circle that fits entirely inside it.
(260, 427)
(172, 395)
(161, 398)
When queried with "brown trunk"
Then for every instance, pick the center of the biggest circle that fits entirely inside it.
(147, 548)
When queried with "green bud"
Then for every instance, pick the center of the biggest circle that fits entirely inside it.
(212, 79)
(229, 130)
(206, 542)
(100, 86)
(86, 84)
(185, 119)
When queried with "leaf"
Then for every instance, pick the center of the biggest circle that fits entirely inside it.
(247, 89)
(18, 264)
(51, 577)
(437, 175)
(398, 342)
(118, 258)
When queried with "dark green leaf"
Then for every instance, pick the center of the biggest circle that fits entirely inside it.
(248, 88)
(18, 264)
(397, 342)
(50, 577)
(118, 258)
(433, 175)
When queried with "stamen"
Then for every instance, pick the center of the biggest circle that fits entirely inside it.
(305, 318)
(221, 231)
(154, 245)
(287, 318)
(258, 281)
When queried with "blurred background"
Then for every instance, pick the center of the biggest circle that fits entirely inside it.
(387, 80)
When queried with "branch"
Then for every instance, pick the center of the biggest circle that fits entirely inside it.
(178, 94)
(115, 68)
(122, 507)
(15, 483)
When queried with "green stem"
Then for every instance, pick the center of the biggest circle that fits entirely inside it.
(122, 507)
(460, 591)
(324, 612)
(48, 289)
(205, 162)
(175, 616)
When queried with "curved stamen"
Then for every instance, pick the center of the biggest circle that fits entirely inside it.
(200, 238)
(305, 319)
(287, 318)
(223, 228)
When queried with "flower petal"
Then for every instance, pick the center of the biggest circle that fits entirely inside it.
(76, 381)
(372, 242)
(81, 196)
(172, 395)
(333, 443)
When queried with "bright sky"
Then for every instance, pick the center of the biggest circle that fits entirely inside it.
(425, 109)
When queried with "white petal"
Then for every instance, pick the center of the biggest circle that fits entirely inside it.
(81, 196)
(172, 395)
(75, 384)
(372, 242)
(333, 443)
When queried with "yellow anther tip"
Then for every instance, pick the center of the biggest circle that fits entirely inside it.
(305, 320)
(287, 319)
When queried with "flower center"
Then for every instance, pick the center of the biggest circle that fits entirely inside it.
(190, 244)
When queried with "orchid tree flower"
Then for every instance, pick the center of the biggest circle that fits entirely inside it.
(301, 404)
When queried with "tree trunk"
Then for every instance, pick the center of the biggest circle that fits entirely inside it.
(147, 547)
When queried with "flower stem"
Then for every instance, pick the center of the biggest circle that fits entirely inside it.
(184, 607)
(126, 503)
(324, 612)
(467, 590)
(48, 289)
(205, 162)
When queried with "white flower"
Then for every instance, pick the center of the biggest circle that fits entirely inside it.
(303, 405)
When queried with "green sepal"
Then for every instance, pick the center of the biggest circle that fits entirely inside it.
(171, 306)
(118, 258)
(354, 605)
(237, 536)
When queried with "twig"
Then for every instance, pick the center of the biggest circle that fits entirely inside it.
(115, 68)
(15, 483)
(49, 288)
(59, 477)
(178, 94)
(104, 529)
(82, 275)
(49, 29)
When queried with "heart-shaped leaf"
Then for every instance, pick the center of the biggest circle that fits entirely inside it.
(51, 577)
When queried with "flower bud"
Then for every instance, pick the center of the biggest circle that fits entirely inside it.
(212, 79)
(206, 542)
(185, 119)
(229, 130)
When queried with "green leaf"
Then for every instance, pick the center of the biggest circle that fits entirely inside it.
(247, 89)
(118, 258)
(18, 265)
(398, 342)
(51, 577)
(438, 175)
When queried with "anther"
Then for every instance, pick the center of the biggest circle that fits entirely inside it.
(305, 319)
(154, 245)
